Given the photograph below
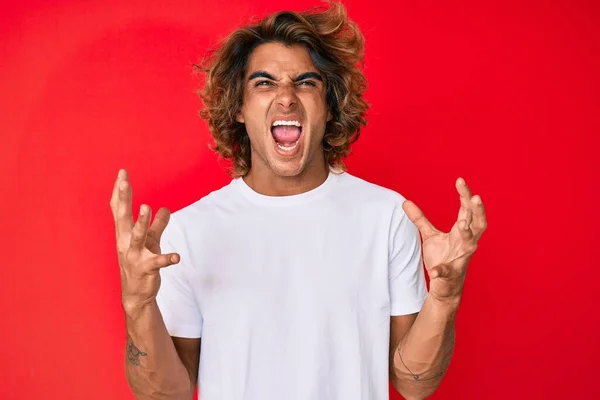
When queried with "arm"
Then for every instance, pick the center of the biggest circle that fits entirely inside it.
(189, 353)
(158, 366)
(421, 346)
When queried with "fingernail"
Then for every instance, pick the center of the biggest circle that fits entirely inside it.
(142, 210)
(122, 185)
(121, 173)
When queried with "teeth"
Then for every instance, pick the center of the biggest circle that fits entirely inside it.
(288, 148)
(288, 123)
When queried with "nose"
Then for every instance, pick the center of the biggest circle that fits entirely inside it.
(286, 96)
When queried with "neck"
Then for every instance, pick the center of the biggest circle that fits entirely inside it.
(270, 184)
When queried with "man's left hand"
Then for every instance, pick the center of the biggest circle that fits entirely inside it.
(446, 255)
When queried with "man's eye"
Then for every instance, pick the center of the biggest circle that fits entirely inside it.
(263, 83)
(306, 83)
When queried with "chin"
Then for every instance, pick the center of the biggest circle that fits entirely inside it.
(290, 168)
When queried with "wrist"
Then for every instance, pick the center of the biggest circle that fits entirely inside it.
(445, 302)
(134, 307)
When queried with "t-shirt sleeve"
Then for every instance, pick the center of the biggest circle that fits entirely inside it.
(408, 288)
(176, 299)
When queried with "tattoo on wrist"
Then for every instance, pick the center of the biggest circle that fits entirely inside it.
(133, 353)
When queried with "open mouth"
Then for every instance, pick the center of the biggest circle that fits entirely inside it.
(286, 134)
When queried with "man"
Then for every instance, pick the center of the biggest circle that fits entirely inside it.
(300, 280)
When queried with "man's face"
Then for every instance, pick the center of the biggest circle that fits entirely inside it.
(284, 110)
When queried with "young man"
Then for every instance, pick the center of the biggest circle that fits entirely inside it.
(300, 280)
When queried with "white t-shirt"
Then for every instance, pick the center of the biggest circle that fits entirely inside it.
(292, 295)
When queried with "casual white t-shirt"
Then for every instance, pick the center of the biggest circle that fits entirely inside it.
(292, 295)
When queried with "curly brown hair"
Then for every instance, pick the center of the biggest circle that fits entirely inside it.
(336, 47)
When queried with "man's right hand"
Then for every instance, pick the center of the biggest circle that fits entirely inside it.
(138, 246)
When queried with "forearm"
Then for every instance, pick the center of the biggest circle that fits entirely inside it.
(423, 355)
(154, 369)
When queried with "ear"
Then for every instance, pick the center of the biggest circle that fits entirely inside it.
(240, 118)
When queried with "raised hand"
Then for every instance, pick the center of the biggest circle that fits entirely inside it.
(446, 255)
(138, 246)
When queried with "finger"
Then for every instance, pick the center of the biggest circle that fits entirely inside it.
(140, 230)
(164, 260)
(465, 212)
(479, 216)
(161, 219)
(465, 230)
(124, 214)
(415, 214)
(114, 198)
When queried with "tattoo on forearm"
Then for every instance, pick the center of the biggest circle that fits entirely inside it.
(447, 354)
(133, 353)
(415, 376)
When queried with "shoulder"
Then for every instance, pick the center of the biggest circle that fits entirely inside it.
(365, 192)
(203, 211)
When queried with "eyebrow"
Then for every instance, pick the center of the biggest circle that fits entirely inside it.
(301, 77)
(308, 75)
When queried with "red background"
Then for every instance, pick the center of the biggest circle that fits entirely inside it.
(505, 94)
